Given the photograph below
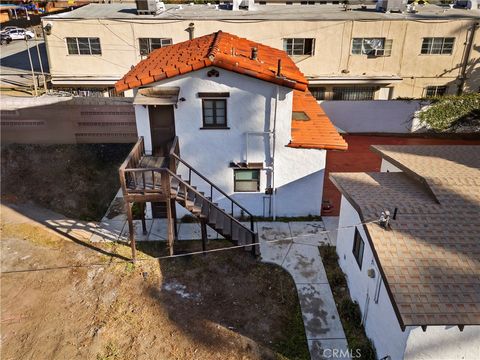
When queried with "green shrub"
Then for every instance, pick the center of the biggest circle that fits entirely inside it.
(447, 111)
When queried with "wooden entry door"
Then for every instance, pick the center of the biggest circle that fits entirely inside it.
(162, 128)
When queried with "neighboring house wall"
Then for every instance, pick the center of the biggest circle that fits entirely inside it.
(50, 120)
(332, 57)
(443, 343)
(298, 173)
(389, 116)
(380, 322)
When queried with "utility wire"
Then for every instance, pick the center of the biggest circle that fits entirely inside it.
(291, 240)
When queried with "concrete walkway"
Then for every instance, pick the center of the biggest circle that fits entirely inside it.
(301, 258)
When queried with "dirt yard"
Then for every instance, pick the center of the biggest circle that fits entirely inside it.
(223, 306)
(78, 181)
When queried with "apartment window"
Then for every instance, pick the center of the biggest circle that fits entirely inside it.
(358, 247)
(318, 92)
(299, 46)
(372, 46)
(246, 180)
(147, 45)
(437, 46)
(433, 91)
(354, 93)
(84, 46)
(214, 113)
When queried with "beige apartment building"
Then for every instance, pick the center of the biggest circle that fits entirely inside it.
(359, 54)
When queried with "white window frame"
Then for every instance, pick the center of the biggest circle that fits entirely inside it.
(436, 89)
(298, 42)
(89, 45)
(429, 49)
(385, 50)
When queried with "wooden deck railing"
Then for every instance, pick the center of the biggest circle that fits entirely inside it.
(137, 181)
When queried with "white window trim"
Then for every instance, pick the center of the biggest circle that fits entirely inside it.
(303, 46)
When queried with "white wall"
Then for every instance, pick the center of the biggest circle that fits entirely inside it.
(143, 127)
(381, 325)
(298, 174)
(388, 167)
(443, 343)
(386, 116)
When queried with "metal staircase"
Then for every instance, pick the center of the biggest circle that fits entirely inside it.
(202, 206)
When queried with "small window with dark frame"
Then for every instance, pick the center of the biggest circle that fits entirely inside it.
(317, 92)
(358, 247)
(214, 113)
(354, 93)
(147, 45)
(83, 46)
(299, 46)
(246, 180)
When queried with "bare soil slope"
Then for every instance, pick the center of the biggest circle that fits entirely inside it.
(78, 181)
(219, 306)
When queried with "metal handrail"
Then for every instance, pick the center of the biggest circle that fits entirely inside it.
(173, 153)
(203, 197)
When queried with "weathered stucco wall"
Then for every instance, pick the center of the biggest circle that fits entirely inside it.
(333, 38)
(298, 173)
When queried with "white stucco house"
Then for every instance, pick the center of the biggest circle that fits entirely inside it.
(243, 117)
(416, 277)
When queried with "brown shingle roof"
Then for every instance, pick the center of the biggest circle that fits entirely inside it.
(233, 53)
(430, 258)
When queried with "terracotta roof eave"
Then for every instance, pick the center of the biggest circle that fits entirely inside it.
(319, 146)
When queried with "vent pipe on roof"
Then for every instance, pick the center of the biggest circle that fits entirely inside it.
(254, 53)
(191, 31)
(279, 67)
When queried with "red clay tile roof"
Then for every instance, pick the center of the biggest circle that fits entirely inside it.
(218, 49)
(232, 53)
(318, 131)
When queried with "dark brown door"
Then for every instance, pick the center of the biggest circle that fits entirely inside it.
(162, 127)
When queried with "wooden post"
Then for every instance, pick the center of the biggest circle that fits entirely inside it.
(174, 215)
(131, 235)
(170, 225)
(144, 224)
(203, 224)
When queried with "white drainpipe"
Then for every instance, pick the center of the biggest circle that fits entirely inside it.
(274, 204)
(271, 134)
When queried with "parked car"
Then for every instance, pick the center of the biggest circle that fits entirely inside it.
(6, 29)
(20, 34)
(5, 39)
